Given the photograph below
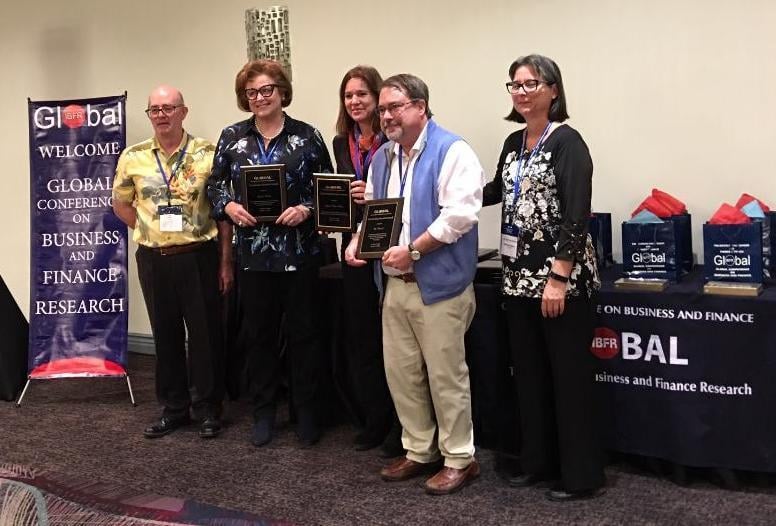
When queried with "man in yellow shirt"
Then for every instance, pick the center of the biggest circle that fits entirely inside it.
(159, 191)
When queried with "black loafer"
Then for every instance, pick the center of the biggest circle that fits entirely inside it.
(526, 480)
(307, 429)
(165, 426)
(366, 441)
(261, 434)
(561, 495)
(210, 428)
(392, 448)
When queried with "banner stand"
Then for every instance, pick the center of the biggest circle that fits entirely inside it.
(129, 386)
(78, 246)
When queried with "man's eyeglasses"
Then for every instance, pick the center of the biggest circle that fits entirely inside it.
(529, 86)
(394, 108)
(166, 109)
(265, 91)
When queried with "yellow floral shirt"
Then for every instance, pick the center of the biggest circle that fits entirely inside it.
(138, 181)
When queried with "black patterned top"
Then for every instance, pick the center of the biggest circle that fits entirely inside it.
(300, 147)
(551, 209)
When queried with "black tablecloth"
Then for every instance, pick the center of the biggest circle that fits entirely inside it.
(679, 338)
(691, 377)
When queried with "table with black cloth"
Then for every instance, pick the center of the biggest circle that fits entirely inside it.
(684, 377)
(700, 370)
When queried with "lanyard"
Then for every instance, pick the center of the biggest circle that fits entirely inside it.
(536, 148)
(174, 171)
(361, 163)
(264, 156)
(403, 175)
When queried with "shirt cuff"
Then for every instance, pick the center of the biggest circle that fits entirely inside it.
(442, 232)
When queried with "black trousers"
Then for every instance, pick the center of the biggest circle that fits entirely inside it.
(266, 297)
(181, 295)
(554, 379)
(364, 348)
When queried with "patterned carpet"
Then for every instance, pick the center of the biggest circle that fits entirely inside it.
(29, 498)
(85, 430)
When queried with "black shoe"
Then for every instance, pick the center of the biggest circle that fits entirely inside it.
(392, 447)
(561, 495)
(210, 427)
(165, 425)
(526, 480)
(365, 441)
(307, 429)
(261, 434)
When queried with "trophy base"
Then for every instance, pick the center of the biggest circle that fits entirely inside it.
(728, 288)
(651, 285)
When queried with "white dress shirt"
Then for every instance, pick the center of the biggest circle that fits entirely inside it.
(459, 190)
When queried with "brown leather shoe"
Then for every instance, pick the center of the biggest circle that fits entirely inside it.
(404, 469)
(450, 480)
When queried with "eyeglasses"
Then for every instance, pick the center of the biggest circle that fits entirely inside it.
(395, 107)
(265, 91)
(529, 86)
(166, 109)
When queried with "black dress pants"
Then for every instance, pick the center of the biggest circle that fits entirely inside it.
(181, 295)
(266, 297)
(364, 348)
(554, 379)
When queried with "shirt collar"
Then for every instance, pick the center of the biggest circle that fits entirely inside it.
(156, 146)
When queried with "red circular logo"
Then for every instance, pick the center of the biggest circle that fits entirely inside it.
(73, 116)
(606, 343)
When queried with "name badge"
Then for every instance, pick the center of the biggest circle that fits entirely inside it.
(171, 218)
(509, 238)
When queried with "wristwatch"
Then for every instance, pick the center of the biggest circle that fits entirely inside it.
(557, 277)
(414, 252)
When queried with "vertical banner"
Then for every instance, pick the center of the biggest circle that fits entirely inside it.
(78, 266)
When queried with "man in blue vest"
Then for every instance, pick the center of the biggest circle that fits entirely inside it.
(426, 281)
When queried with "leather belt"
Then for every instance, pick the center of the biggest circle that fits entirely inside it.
(409, 277)
(174, 250)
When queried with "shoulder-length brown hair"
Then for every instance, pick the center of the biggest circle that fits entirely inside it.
(373, 81)
(272, 69)
(547, 70)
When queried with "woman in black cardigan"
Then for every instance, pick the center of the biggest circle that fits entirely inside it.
(357, 140)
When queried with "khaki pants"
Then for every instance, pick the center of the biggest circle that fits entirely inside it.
(427, 374)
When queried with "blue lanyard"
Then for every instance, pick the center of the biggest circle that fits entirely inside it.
(536, 148)
(264, 156)
(403, 175)
(174, 171)
(362, 166)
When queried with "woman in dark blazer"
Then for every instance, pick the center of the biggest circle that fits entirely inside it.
(358, 137)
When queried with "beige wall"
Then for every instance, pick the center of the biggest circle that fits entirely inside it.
(673, 94)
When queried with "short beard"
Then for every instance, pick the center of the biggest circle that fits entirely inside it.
(395, 134)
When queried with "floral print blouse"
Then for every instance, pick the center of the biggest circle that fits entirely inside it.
(550, 209)
(300, 147)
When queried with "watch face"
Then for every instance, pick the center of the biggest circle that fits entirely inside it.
(415, 255)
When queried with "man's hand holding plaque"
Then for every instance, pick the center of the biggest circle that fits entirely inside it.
(380, 227)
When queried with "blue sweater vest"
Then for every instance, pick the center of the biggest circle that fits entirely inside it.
(448, 270)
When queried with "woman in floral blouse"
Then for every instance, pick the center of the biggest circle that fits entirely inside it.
(278, 262)
(544, 179)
